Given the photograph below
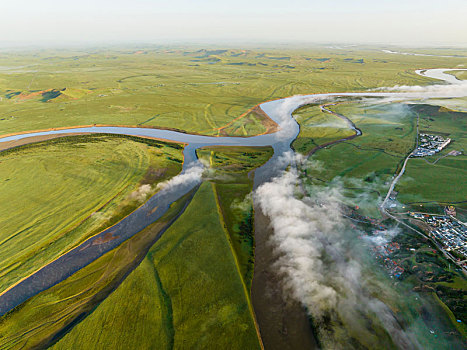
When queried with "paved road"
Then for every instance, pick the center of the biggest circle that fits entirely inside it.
(387, 213)
(397, 178)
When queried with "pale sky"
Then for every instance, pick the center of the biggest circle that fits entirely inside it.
(399, 22)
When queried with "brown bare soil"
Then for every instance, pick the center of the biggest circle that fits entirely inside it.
(105, 238)
(254, 113)
(24, 96)
(270, 125)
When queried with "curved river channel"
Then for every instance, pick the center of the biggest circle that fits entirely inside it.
(280, 111)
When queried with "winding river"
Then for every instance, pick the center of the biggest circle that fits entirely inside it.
(280, 111)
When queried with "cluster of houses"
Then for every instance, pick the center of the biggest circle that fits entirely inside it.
(394, 269)
(446, 229)
(383, 254)
(429, 145)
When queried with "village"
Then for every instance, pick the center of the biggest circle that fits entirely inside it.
(384, 254)
(428, 145)
(448, 231)
(383, 248)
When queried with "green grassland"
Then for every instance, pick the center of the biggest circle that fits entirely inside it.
(388, 136)
(187, 293)
(235, 159)
(459, 74)
(317, 128)
(190, 290)
(252, 123)
(195, 90)
(58, 192)
(232, 185)
(365, 164)
(444, 181)
(45, 317)
(386, 127)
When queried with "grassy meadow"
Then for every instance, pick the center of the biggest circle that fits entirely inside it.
(364, 165)
(191, 89)
(61, 191)
(317, 128)
(177, 294)
(44, 318)
(438, 178)
(235, 159)
(232, 183)
(187, 293)
(389, 130)
(459, 74)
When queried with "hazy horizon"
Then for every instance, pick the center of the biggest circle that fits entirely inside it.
(405, 23)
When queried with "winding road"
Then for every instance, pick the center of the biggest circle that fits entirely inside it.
(280, 111)
(397, 178)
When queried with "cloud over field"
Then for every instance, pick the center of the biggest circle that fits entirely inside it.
(141, 193)
(320, 260)
(190, 176)
(455, 88)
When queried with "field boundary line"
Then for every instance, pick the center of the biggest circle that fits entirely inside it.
(245, 290)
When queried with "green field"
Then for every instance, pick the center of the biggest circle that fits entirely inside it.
(363, 166)
(443, 181)
(45, 317)
(388, 136)
(195, 90)
(232, 184)
(181, 287)
(61, 191)
(318, 128)
(187, 293)
(235, 159)
(459, 74)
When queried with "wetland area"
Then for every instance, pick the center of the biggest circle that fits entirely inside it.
(149, 230)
